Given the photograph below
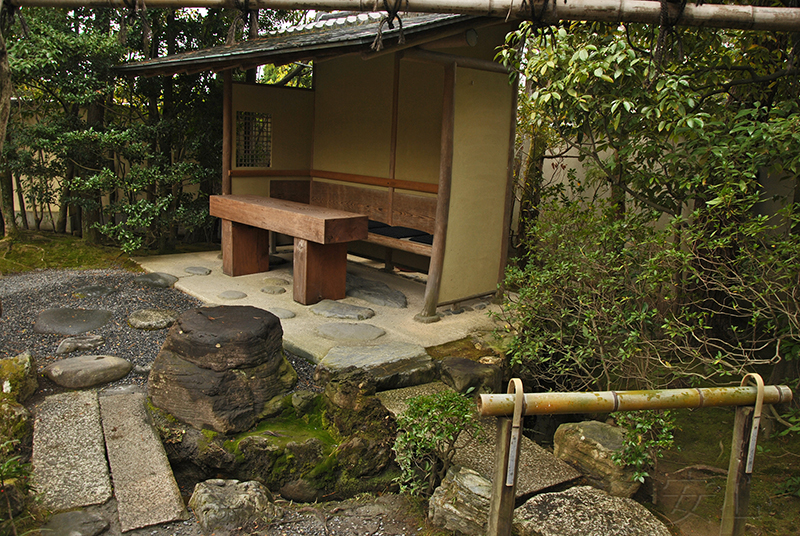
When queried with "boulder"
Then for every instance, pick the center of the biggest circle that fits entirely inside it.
(223, 505)
(588, 446)
(461, 502)
(464, 374)
(222, 368)
(392, 366)
(585, 510)
(228, 401)
(302, 401)
(87, 370)
(300, 490)
(18, 376)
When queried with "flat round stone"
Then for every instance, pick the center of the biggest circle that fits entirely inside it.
(87, 370)
(281, 313)
(197, 270)
(69, 321)
(343, 311)
(232, 295)
(350, 331)
(151, 319)
(155, 280)
(93, 291)
(276, 282)
(273, 290)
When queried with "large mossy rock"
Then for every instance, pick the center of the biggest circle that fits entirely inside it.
(18, 376)
(461, 502)
(16, 423)
(588, 446)
(585, 510)
(225, 505)
(221, 368)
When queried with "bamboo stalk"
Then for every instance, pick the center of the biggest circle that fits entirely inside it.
(646, 11)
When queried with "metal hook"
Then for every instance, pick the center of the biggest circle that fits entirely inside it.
(751, 449)
(515, 387)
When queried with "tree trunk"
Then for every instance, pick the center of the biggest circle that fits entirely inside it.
(6, 181)
(7, 198)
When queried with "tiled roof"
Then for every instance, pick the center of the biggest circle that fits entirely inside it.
(328, 36)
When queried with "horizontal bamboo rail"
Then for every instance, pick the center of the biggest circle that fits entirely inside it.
(645, 11)
(609, 401)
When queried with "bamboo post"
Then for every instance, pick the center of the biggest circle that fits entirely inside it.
(227, 130)
(740, 467)
(506, 466)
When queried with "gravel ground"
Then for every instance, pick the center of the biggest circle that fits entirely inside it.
(24, 296)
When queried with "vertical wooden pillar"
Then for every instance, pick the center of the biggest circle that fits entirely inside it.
(227, 130)
(501, 505)
(737, 490)
(509, 206)
(431, 299)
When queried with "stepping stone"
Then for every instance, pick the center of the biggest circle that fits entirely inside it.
(231, 295)
(69, 455)
(350, 332)
(155, 280)
(343, 311)
(375, 292)
(144, 486)
(392, 365)
(538, 468)
(93, 291)
(197, 270)
(87, 370)
(282, 313)
(81, 342)
(77, 523)
(273, 290)
(69, 321)
(152, 319)
(276, 282)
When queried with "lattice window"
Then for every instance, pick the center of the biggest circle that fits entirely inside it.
(253, 139)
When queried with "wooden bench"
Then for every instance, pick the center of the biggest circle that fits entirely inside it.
(320, 236)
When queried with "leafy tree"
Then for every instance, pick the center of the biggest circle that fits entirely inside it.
(661, 261)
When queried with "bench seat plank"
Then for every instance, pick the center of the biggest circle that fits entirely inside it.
(313, 223)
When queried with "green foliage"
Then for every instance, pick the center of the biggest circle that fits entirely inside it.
(648, 434)
(12, 470)
(657, 252)
(426, 443)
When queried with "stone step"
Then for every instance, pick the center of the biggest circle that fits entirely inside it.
(69, 461)
(539, 469)
(144, 486)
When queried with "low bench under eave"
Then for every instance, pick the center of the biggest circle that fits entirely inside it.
(320, 241)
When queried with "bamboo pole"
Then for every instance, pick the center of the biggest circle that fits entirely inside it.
(742, 17)
(610, 401)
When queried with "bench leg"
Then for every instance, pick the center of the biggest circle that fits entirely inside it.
(245, 249)
(320, 271)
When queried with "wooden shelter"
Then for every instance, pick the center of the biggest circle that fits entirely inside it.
(417, 136)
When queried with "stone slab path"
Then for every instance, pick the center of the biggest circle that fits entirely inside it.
(69, 461)
(74, 431)
(144, 486)
(538, 468)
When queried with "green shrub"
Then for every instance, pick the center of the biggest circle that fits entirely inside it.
(426, 441)
(648, 434)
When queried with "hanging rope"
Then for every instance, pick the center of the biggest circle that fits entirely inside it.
(391, 15)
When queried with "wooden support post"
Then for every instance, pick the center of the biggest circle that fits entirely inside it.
(740, 467)
(431, 299)
(506, 466)
(245, 249)
(227, 130)
(320, 271)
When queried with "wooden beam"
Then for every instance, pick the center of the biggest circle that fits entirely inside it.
(509, 206)
(227, 130)
(442, 58)
(645, 11)
(431, 299)
(376, 181)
